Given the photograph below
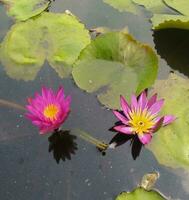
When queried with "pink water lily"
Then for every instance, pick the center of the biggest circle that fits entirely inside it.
(49, 110)
(141, 117)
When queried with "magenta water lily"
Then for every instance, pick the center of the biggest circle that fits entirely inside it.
(49, 110)
(141, 117)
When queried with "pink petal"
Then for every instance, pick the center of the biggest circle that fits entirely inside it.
(31, 117)
(134, 103)
(44, 130)
(47, 129)
(44, 92)
(120, 117)
(125, 106)
(36, 122)
(123, 129)
(145, 138)
(60, 93)
(152, 100)
(37, 104)
(156, 107)
(34, 111)
(50, 96)
(68, 101)
(168, 119)
(29, 100)
(158, 124)
(142, 102)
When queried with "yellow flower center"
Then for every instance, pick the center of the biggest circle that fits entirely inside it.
(51, 111)
(141, 121)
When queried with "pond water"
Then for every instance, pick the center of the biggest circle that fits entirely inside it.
(29, 171)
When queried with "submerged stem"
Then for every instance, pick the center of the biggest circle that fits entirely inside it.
(99, 144)
(11, 104)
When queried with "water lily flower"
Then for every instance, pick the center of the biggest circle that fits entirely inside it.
(49, 110)
(141, 117)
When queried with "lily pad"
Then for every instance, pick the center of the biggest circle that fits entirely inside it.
(140, 194)
(170, 144)
(165, 12)
(59, 38)
(115, 64)
(23, 10)
(170, 21)
(155, 6)
(124, 5)
(181, 6)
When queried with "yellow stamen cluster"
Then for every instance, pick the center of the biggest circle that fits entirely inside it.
(141, 121)
(51, 111)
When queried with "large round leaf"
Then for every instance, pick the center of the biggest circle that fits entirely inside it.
(155, 6)
(57, 37)
(66, 38)
(170, 144)
(116, 64)
(24, 9)
(140, 194)
(124, 5)
(160, 21)
(21, 52)
(166, 14)
(180, 5)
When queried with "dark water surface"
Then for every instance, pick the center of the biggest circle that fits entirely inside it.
(29, 171)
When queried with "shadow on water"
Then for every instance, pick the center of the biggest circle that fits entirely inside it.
(62, 144)
(120, 139)
(173, 46)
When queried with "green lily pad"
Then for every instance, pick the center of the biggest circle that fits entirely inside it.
(23, 10)
(115, 64)
(170, 144)
(155, 6)
(59, 38)
(124, 5)
(170, 21)
(165, 13)
(180, 5)
(140, 194)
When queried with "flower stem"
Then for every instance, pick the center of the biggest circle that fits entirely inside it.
(87, 137)
(11, 104)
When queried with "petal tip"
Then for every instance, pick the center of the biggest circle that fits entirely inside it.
(145, 138)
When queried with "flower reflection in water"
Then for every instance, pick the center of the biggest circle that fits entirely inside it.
(62, 144)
